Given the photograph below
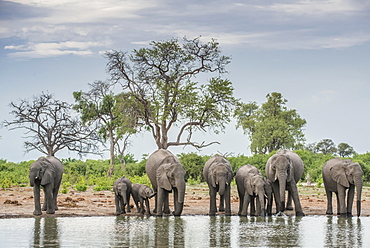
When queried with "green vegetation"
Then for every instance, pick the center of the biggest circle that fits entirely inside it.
(79, 175)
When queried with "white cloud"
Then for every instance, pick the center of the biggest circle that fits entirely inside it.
(44, 50)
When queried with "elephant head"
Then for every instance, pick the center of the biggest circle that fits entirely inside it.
(41, 172)
(347, 173)
(171, 176)
(220, 175)
(281, 169)
(146, 192)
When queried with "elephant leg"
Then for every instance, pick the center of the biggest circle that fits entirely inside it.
(128, 203)
(221, 207)
(342, 202)
(147, 207)
(253, 207)
(45, 204)
(122, 205)
(50, 209)
(212, 201)
(275, 189)
(227, 199)
(55, 196)
(289, 205)
(246, 201)
(329, 198)
(241, 199)
(295, 196)
(350, 197)
(166, 207)
(36, 197)
(160, 199)
(155, 203)
(116, 201)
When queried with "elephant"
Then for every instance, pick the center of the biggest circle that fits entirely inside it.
(252, 186)
(284, 169)
(166, 174)
(338, 176)
(141, 193)
(217, 172)
(122, 191)
(46, 172)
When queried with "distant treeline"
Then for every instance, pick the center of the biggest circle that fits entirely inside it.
(80, 174)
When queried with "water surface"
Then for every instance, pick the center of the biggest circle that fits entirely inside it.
(185, 231)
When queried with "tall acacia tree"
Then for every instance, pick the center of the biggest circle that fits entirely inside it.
(113, 114)
(50, 126)
(161, 79)
(272, 125)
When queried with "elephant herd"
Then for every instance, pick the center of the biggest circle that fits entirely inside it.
(256, 192)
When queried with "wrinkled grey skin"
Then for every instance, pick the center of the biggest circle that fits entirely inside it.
(166, 174)
(122, 190)
(284, 169)
(217, 172)
(142, 193)
(253, 188)
(46, 172)
(339, 176)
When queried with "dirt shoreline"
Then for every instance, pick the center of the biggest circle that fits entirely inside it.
(17, 202)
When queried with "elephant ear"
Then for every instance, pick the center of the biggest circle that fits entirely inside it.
(49, 171)
(249, 186)
(211, 178)
(338, 174)
(162, 178)
(290, 169)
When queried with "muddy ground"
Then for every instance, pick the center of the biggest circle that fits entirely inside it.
(18, 202)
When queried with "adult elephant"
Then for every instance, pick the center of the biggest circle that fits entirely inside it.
(284, 169)
(217, 172)
(46, 172)
(253, 188)
(122, 191)
(166, 175)
(340, 175)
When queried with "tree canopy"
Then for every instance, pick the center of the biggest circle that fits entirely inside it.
(161, 78)
(116, 121)
(272, 125)
(51, 127)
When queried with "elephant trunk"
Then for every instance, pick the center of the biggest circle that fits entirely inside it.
(221, 186)
(179, 202)
(33, 177)
(282, 186)
(358, 185)
(261, 198)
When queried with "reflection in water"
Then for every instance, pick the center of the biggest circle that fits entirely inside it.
(219, 231)
(269, 231)
(45, 232)
(344, 232)
(186, 231)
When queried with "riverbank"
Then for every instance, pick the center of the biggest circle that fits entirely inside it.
(17, 202)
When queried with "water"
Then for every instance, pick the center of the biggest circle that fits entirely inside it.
(185, 231)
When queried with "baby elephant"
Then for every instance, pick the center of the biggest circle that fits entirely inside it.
(141, 193)
(122, 190)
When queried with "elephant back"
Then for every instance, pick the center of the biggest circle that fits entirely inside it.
(296, 162)
(155, 160)
(214, 160)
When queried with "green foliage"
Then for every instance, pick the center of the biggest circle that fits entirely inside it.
(82, 174)
(193, 165)
(272, 126)
(144, 179)
(364, 161)
(174, 97)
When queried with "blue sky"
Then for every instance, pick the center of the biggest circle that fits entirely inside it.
(316, 53)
